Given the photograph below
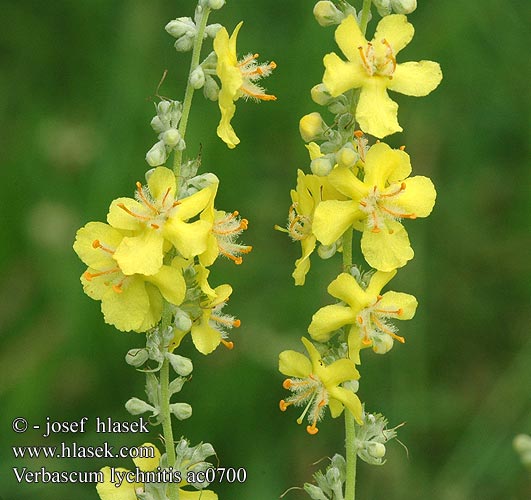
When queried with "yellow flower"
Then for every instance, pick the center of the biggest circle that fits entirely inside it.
(376, 206)
(129, 302)
(317, 386)
(238, 79)
(109, 490)
(310, 191)
(157, 216)
(372, 67)
(209, 324)
(366, 310)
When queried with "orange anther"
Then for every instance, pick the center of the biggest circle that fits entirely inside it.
(229, 345)
(155, 226)
(96, 244)
(117, 288)
(311, 429)
(358, 134)
(359, 319)
(283, 405)
(399, 312)
(402, 148)
(287, 383)
(237, 323)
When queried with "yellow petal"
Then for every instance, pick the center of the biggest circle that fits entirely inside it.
(347, 289)
(294, 364)
(223, 292)
(127, 309)
(148, 464)
(140, 254)
(314, 150)
(121, 219)
(336, 407)
(197, 495)
(96, 288)
(396, 30)
(154, 313)
(169, 280)
(328, 319)
(338, 372)
(190, 239)
(340, 76)
(332, 218)
(204, 337)
(302, 265)
(392, 301)
(376, 111)
(350, 400)
(355, 344)
(160, 181)
(349, 37)
(190, 206)
(344, 180)
(109, 491)
(378, 280)
(418, 197)
(388, 249)
(416, 78)
(208, 257)
(96, 258)
(384, 165)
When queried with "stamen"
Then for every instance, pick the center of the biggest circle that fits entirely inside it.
(303, 414)
(155, 226)
(228, 344)
(143, 198)
(136, 216)
(262, 97)
(226, 321)
(287, 383)
(400, 188)
(390, 54)
(386, 330)
(402, 148)
(283, 405)
(166, 195)
(97, 244)
(249, 59)
(312, 429)
(89, 276)
(397, 214)
(364, 60)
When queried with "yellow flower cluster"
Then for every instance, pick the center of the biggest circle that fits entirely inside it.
(355, 186)
(142, 254)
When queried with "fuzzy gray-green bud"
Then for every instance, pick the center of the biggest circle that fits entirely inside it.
(327, 251)
(321, 166)
(182, 411)
(404, 6)
(136, 357)
(212, 29)
(211, 88)
(184, 43)
(176, 385)
(182, 366)
(327, 14)
(215, 4)
(315, 492)
(171, 137)
(383, 7)
(157, 155)
(197, 78)
(136, 406)
(180, 26)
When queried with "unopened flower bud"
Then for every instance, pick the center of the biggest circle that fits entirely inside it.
(211, 88)
(136, 357)
(171, 137)
(351, 385)
(320, 94)
(404, 6)
(212, 30)
(182, 321)
(156, 156)
(327, 251)
(327, 14)
(163, 108)
(176, 385)
(197, 78)
(376, 450)
(136, 406)
(384, 346)
(180, 26)
(216, 4)
(182, 411)
(157, 125)
(383, 7)
(182, 366)
(185, 43)
(311, 127)
(346, 157)
(321, 166)
(315, 492)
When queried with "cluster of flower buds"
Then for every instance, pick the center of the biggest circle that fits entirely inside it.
(387, 7)
(166, 124)
(329, 483)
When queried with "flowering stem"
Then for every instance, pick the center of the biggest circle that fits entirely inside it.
(365, 12)
(189, 93)
(350, 425)
(173, 490)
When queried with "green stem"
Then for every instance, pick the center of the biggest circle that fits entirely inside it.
(366, 10)
(350, 425)
(173, 490)
(189, 93)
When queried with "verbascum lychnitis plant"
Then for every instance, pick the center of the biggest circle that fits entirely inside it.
(149, 264)
(359, 190)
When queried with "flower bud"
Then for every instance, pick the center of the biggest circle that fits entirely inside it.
(404, 6)
(384, 346)
(207, 450)
(182, 321)
(182, 366)
(321, 166)
(216, 4)
(197, 78)
(327, 251)
(180, 26)
(314, 491)
(176, 385)
(383, 7)
(156, 156)
(376, 450)
(346, 157)
(136, 406)
(211, 88)
(136, 357)
(171, 137)
(311, 127)
(182, 411)
(212, 29)
(157, 125)
(320, 94)
(163, 109)
(351, 385)
(327, 14)
(185, 43)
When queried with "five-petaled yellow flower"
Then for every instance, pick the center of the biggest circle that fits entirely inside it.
(377, 204)
(128, 301)
(372, 67)
(317, 386)
(127, 490)
(155, 217)
(366, 310)
(238, 79)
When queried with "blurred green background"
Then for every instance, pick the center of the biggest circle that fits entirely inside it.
(76, 87)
